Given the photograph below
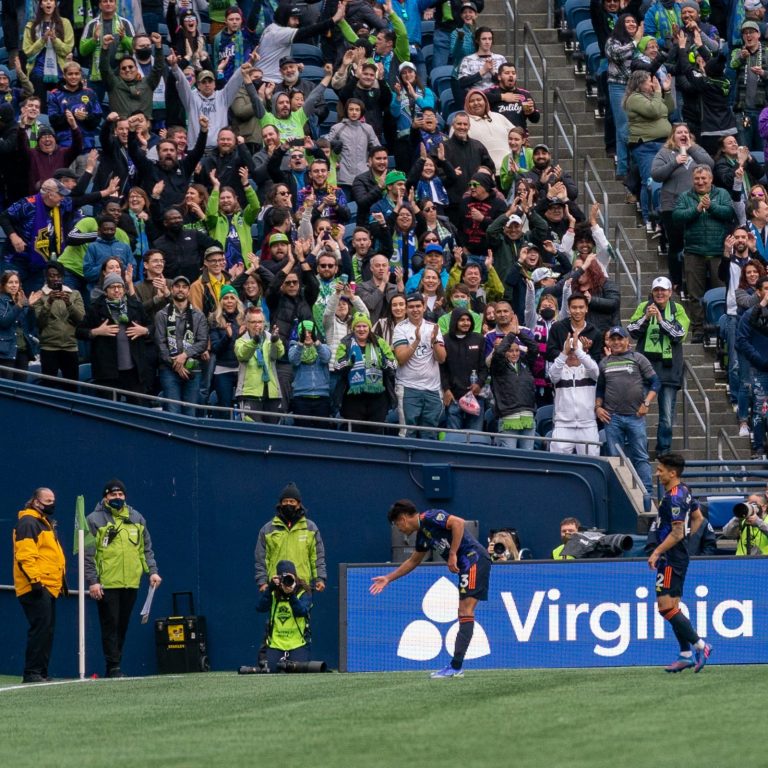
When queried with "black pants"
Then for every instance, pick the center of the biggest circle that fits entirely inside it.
(274, 656)
(114, 614)
(20, 363)
(53, 361)
(312, 406)
(366, 407)
(40, 610)
(127, 380)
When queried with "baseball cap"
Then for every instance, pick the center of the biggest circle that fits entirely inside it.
(662, 282)
(542, 273)
(415, 296)
(541, 146)
(469, 5)
(206, 74)
(750, 25)
(287, 60)
(64, 173)
(434, 248)
(618, 330)
(181, 279)
(212, 250)
(514, 219)
(278, 237)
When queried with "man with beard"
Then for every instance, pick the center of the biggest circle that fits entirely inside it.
(477, 213)
(291, 535)
(167, 179)
(227, 160)
(547, 177)
(368, 187)
(329, 201)
(465, 155)
(375, 97)
(516, 104)
(183, 249)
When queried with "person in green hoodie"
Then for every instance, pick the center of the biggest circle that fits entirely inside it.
(119, 553)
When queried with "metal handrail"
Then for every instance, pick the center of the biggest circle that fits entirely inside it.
(620, 236)
(561, 130)
(590, 195)
(705, 420)
(510, 36)
(540, 73)
(723, 438)
(228, 413)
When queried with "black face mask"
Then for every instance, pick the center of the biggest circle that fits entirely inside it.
(547, 313)
(290, 513)
(174, 227)
(48, 509)
(143, 54)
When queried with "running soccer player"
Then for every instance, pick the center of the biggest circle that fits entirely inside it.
(437, 529)
(678, 510)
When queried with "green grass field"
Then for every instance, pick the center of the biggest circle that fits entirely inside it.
(548, 718)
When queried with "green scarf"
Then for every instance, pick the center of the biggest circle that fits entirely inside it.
(656, 343)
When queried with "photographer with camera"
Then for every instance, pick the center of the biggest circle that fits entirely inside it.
(568, 527)
(748, 525)
(288, 600)
(502, 546)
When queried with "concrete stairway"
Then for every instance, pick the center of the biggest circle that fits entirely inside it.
(590, 142)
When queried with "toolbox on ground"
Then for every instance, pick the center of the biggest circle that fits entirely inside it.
(181, 641)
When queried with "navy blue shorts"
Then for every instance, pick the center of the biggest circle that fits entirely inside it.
(474, 582)
(669, 581)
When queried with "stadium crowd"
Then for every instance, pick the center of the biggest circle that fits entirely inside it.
(275, 207)
(685, 93)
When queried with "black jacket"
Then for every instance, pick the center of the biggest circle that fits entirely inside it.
(513, 391)
(184, 252)
(463, 355)
(104, 348)
(465, 155)
(365, 192)
(285, 311)
(227, 169)
(559, 332)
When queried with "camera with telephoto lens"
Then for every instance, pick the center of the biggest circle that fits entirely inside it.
(301, 667)
(287, 580)
(745, 509)
(499, 548)
(593, 544)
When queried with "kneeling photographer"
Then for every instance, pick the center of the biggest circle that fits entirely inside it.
(288, 601)
(748, 525)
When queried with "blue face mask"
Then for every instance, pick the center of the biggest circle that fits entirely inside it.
(461, 303)
(116, 504)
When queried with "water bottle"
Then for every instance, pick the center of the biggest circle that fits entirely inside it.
(473, 378)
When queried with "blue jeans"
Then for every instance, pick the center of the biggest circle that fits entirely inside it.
(759, 409)
(515, 438)
(441, 49)
(422, 408)
(615, 96)
(629, 432)
(643, 155)
(455, 418)
(176, 388)
(224, 386)
(739, 381)
(667, 399)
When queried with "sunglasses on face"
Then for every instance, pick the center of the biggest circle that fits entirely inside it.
(291, 282)
(428, 209)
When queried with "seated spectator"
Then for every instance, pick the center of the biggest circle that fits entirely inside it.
(366, 364)
(574, 375)
(514, 394)
(490, 128)
(117, 327)
(227, 325)
(479, 69)
(258, 388)
(181, 335)
(310, 359)
(463, 371)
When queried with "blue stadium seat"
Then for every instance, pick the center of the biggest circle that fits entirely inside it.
(427, 52)
(576, 11)
(585, 34)
(427, 32)
(312, 72)
(307, 54)
(447, 103)
(331, 97)
(720, 509)
(592, 52)
(714, 305)
(440, 78)
(329, 122)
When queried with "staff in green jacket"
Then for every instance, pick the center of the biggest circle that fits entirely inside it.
(114, 563)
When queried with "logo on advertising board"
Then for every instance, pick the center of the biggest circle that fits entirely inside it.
(576, 614)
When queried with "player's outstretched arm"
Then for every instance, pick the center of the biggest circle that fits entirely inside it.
(379, 582)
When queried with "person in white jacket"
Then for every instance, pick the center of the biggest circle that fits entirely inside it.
(574, 376)
(342, 305)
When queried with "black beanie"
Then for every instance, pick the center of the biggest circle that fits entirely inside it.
(114, 485)
(291, 491)
(715, 67)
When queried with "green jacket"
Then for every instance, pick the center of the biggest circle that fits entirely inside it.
(250, 378)
(649, 117)
(56, 321)
(704, 231)
(125, 98)
(218, 224)
(301, 544)
(122, 551)
(288, 625)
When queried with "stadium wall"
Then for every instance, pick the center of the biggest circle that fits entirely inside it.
(206, 487)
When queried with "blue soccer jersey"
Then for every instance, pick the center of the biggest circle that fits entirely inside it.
(434, 534)
(676, 506)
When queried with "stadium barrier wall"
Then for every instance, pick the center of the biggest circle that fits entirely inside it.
(206, 487)
(582, 613)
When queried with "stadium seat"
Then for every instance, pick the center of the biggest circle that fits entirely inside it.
(544, 417)
(585, 34)
(307, 54)
(329, 122)
(576, 11)
(427, 32)
(331, 97)
(720, 509)
(312, 72)
(594, 57)
(428, 52)
(440, 78)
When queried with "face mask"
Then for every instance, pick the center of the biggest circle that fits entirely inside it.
(547, 313)
(48, 509)
(288, 512)
(462, 303)
(175, 227)
(143, 54)
(116, 504)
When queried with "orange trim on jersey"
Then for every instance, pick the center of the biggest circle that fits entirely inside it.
(472, 576)
(667, 576)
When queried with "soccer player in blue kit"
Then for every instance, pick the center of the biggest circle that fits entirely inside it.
(437, 529)
(678, 510)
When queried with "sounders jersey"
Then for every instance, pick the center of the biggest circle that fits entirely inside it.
(676, 505)
(434, 534)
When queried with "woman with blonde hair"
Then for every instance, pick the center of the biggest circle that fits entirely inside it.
(227, 323)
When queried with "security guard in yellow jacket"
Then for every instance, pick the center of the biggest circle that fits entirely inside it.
(39, 579)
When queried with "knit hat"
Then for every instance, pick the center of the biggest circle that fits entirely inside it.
(113, 278)
(484, 180)
(114, 485)
(291, 491)
(393, 177)
(643, 44)
(690, 4)
(181, 279)
(45, 130)
(361, 318)
(715, 67)
(228, 289)
(746, 25)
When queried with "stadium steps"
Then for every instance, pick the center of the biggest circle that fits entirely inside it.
(590, 138)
